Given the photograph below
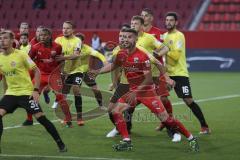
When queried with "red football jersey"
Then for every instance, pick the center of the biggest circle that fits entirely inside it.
(134, 65)
(44, 57)
(156, 32)
(34, 41)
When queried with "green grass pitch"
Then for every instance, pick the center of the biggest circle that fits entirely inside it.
(219, 95)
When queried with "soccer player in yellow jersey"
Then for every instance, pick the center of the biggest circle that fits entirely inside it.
(86, 53)
(177, 67)
(25, 46)
(18, 88)
(71, 46)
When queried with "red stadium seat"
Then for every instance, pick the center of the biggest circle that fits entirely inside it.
(227, 17)
(237, 18)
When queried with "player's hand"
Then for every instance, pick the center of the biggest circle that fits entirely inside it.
(53, 53)
(131, 97)
(59, 58)
(35, 95)
(170, 83)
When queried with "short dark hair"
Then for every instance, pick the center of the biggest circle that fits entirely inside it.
(174, 14)
(71, 23)
(24, 34)
(9, 32)
(139, 18)
(130, 30)
(81, 36)
(148, 10)
(47, 30)
(125, 25)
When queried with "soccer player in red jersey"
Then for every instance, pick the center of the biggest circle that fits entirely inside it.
(162, 89)
(137, 68)
(35, 39)
(44, 54)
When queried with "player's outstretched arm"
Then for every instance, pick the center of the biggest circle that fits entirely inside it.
(37, 77)
(162, 69)
(162, 51)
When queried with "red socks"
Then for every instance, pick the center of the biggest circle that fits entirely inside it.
(121, 124)
(60, 98)
(175, 124)
(29, 117)
(168, 106)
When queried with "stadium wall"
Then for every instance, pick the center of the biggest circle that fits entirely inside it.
(206, 51)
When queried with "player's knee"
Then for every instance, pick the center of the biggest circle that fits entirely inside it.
(188, 101)
(38, 115)
(2, 112)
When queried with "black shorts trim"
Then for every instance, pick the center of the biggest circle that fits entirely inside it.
(121, 90)
(74, 79)
(182, 87)
(10, 103)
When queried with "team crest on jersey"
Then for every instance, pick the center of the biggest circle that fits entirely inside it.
(147, 63)
(39, 53)
(135, 59)
(13, 64)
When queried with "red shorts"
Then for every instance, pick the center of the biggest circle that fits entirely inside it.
(152, 102)
(161, 86)
(43, 81)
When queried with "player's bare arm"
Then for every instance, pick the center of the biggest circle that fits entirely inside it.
(162, 51)
(37, 77)
(4, 84)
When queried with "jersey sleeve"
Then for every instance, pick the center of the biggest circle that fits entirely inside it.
(157, 44)
(33, 52)
(58, 40)
(150, 56)
(78, 46)
(28, 62)
(176, 48)
(59, 49)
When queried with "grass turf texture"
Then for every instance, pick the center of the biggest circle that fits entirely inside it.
(89, 140)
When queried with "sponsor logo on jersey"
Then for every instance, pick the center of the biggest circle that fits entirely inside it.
(13, 64)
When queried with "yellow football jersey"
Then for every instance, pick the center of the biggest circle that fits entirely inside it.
(69, 45)
(150, 43)
(86, 52)
(176, 57)
(26, 48)
(15, 68)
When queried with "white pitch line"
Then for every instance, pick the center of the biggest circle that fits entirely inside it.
(203, 100)
(60, 157)
(140, 108)
(19, 126)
